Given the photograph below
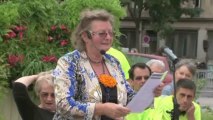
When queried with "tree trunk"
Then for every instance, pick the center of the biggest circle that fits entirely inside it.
(138, 32)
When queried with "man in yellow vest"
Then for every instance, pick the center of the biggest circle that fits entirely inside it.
(185, 94)
(163, 105)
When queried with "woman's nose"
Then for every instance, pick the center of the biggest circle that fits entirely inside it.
(49, 97)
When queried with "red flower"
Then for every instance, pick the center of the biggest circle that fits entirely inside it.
(14, 59)
(21, 35)
(10, 34)
(19, 28)
(53, 27)
(64, 43)
(50, 58)
(50, 39)
(63, 27)
(66, 31)
(23, 28)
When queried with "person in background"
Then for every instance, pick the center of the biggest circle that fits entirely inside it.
(185, 69)
(45, 92)
(90, 84)
(188, 109)
(156, 65)
(139, 73)
(134, 50)
(122, 59)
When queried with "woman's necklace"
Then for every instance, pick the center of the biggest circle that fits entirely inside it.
(95, 62)
(103, 68)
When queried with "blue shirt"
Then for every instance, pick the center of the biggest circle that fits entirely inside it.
(168, 89)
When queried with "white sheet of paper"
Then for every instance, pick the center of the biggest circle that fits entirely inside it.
(145, 96)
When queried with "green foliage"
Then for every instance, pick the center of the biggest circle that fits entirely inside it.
(3, 76)
(200, 83)
(7, 18)
(72, 9)
(35, 33)
(33, 56)
(38, 16)
(4, 71)
(45, 35)
(165, 12)
(207, 114)
(162, 13)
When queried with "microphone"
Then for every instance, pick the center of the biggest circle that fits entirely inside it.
(102, 52)
(169, 53)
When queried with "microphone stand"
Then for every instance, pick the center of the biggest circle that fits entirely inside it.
(175, 112)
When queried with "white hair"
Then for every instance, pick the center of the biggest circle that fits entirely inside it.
(43, 78)
(157, 62)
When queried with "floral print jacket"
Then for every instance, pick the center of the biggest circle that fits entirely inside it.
(77, 88)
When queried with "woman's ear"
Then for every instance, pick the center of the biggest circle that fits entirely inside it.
(84, 37)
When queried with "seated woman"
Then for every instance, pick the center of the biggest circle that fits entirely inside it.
(44, 90)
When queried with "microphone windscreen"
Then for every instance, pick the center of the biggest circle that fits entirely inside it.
(162, 49)
(102, 52)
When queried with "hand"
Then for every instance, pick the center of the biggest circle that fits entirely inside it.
(158, 90)
(190, 112)
(115, 111)
(27, 80)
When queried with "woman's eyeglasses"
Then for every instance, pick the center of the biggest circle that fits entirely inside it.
(45, 95)
(103, 34)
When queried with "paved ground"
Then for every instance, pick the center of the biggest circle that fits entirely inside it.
(206, 94)
(206, 97)
(206, 102)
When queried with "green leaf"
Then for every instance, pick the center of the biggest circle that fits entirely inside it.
(1, 39)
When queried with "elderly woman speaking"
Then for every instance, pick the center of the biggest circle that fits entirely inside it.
(90, 84)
